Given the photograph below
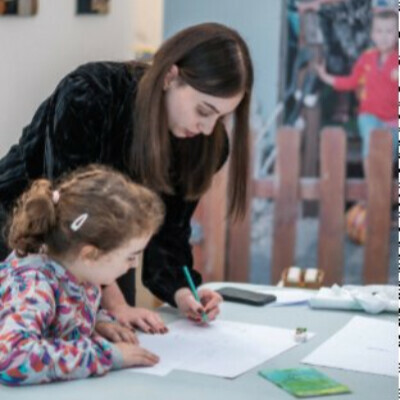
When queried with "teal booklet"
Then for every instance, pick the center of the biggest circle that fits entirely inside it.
(304, 382)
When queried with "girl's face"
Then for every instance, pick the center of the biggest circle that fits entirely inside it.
(105, 268)
(191, 113)
(384, 34)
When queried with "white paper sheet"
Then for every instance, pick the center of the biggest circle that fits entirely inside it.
(364, 344)
(222, 348)
(288, 297)
(373, 299)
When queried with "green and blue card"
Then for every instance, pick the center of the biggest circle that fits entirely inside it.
(304, 382)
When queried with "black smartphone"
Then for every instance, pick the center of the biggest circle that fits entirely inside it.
(245, 296)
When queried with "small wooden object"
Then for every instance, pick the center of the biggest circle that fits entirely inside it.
(305, 278)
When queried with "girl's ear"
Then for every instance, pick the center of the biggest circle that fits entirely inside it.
(89, 253)
(172, 74)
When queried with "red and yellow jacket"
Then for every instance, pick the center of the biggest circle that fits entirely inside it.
(377, 84)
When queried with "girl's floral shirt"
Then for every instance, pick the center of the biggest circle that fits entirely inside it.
(47, 321)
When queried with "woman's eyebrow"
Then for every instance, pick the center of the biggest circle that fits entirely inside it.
(212, 107)
(135, 253)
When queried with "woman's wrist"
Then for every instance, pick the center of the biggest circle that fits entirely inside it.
(112, 297)
(180, 294)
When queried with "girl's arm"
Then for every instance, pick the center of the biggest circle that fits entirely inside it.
(343, 83)
(323, 74)
(28, 351)
(314, 5)
(353, 81)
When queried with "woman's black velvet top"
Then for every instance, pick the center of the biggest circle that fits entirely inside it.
(89, 119)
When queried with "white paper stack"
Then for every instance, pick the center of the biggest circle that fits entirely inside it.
(364, 345)
(373, 299)
(221, 348)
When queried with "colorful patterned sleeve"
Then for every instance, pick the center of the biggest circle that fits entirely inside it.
(29, 354)
(104, 315)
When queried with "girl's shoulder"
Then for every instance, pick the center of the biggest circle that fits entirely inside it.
(370, 53)
(33, 266)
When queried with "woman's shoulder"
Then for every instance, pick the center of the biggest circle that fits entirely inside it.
(100, 69)
(104, 76)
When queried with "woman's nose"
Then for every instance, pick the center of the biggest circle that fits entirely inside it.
(206, 128)
(133, 264)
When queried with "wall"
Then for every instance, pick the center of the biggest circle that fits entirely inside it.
(259, 22)
(36, 52)
(148, 23)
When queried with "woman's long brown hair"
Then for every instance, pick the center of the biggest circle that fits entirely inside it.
(212, 59)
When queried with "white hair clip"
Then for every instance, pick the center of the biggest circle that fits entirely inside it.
(78, 222)
(55, 196)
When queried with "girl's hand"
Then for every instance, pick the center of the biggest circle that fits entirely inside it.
(136, 356)
(313, 5)
(115, 332)
(320, 69)
(135, 317)
(193, 310)
(323, 74)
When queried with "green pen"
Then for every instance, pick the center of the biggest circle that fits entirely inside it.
(189, 279)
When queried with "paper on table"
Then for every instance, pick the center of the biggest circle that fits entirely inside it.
(158, 345)
(372, 299)
(364, 344)
(222, 348)
(286, 297)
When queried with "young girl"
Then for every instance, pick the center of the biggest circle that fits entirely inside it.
(161, 124)
(68, 240)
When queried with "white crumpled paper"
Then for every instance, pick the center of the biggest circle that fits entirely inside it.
(373, 299)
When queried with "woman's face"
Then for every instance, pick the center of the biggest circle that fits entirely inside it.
(191, 113)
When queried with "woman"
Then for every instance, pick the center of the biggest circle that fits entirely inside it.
(163, 126)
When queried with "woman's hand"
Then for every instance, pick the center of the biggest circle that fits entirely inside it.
(193, 310)
(135, 317)
(136, 356)
(115, 332)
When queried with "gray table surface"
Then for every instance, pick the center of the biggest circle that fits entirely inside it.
(121, 385)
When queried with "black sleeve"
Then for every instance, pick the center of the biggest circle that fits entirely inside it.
(170, 250)
(77, 122)
(65, 132)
